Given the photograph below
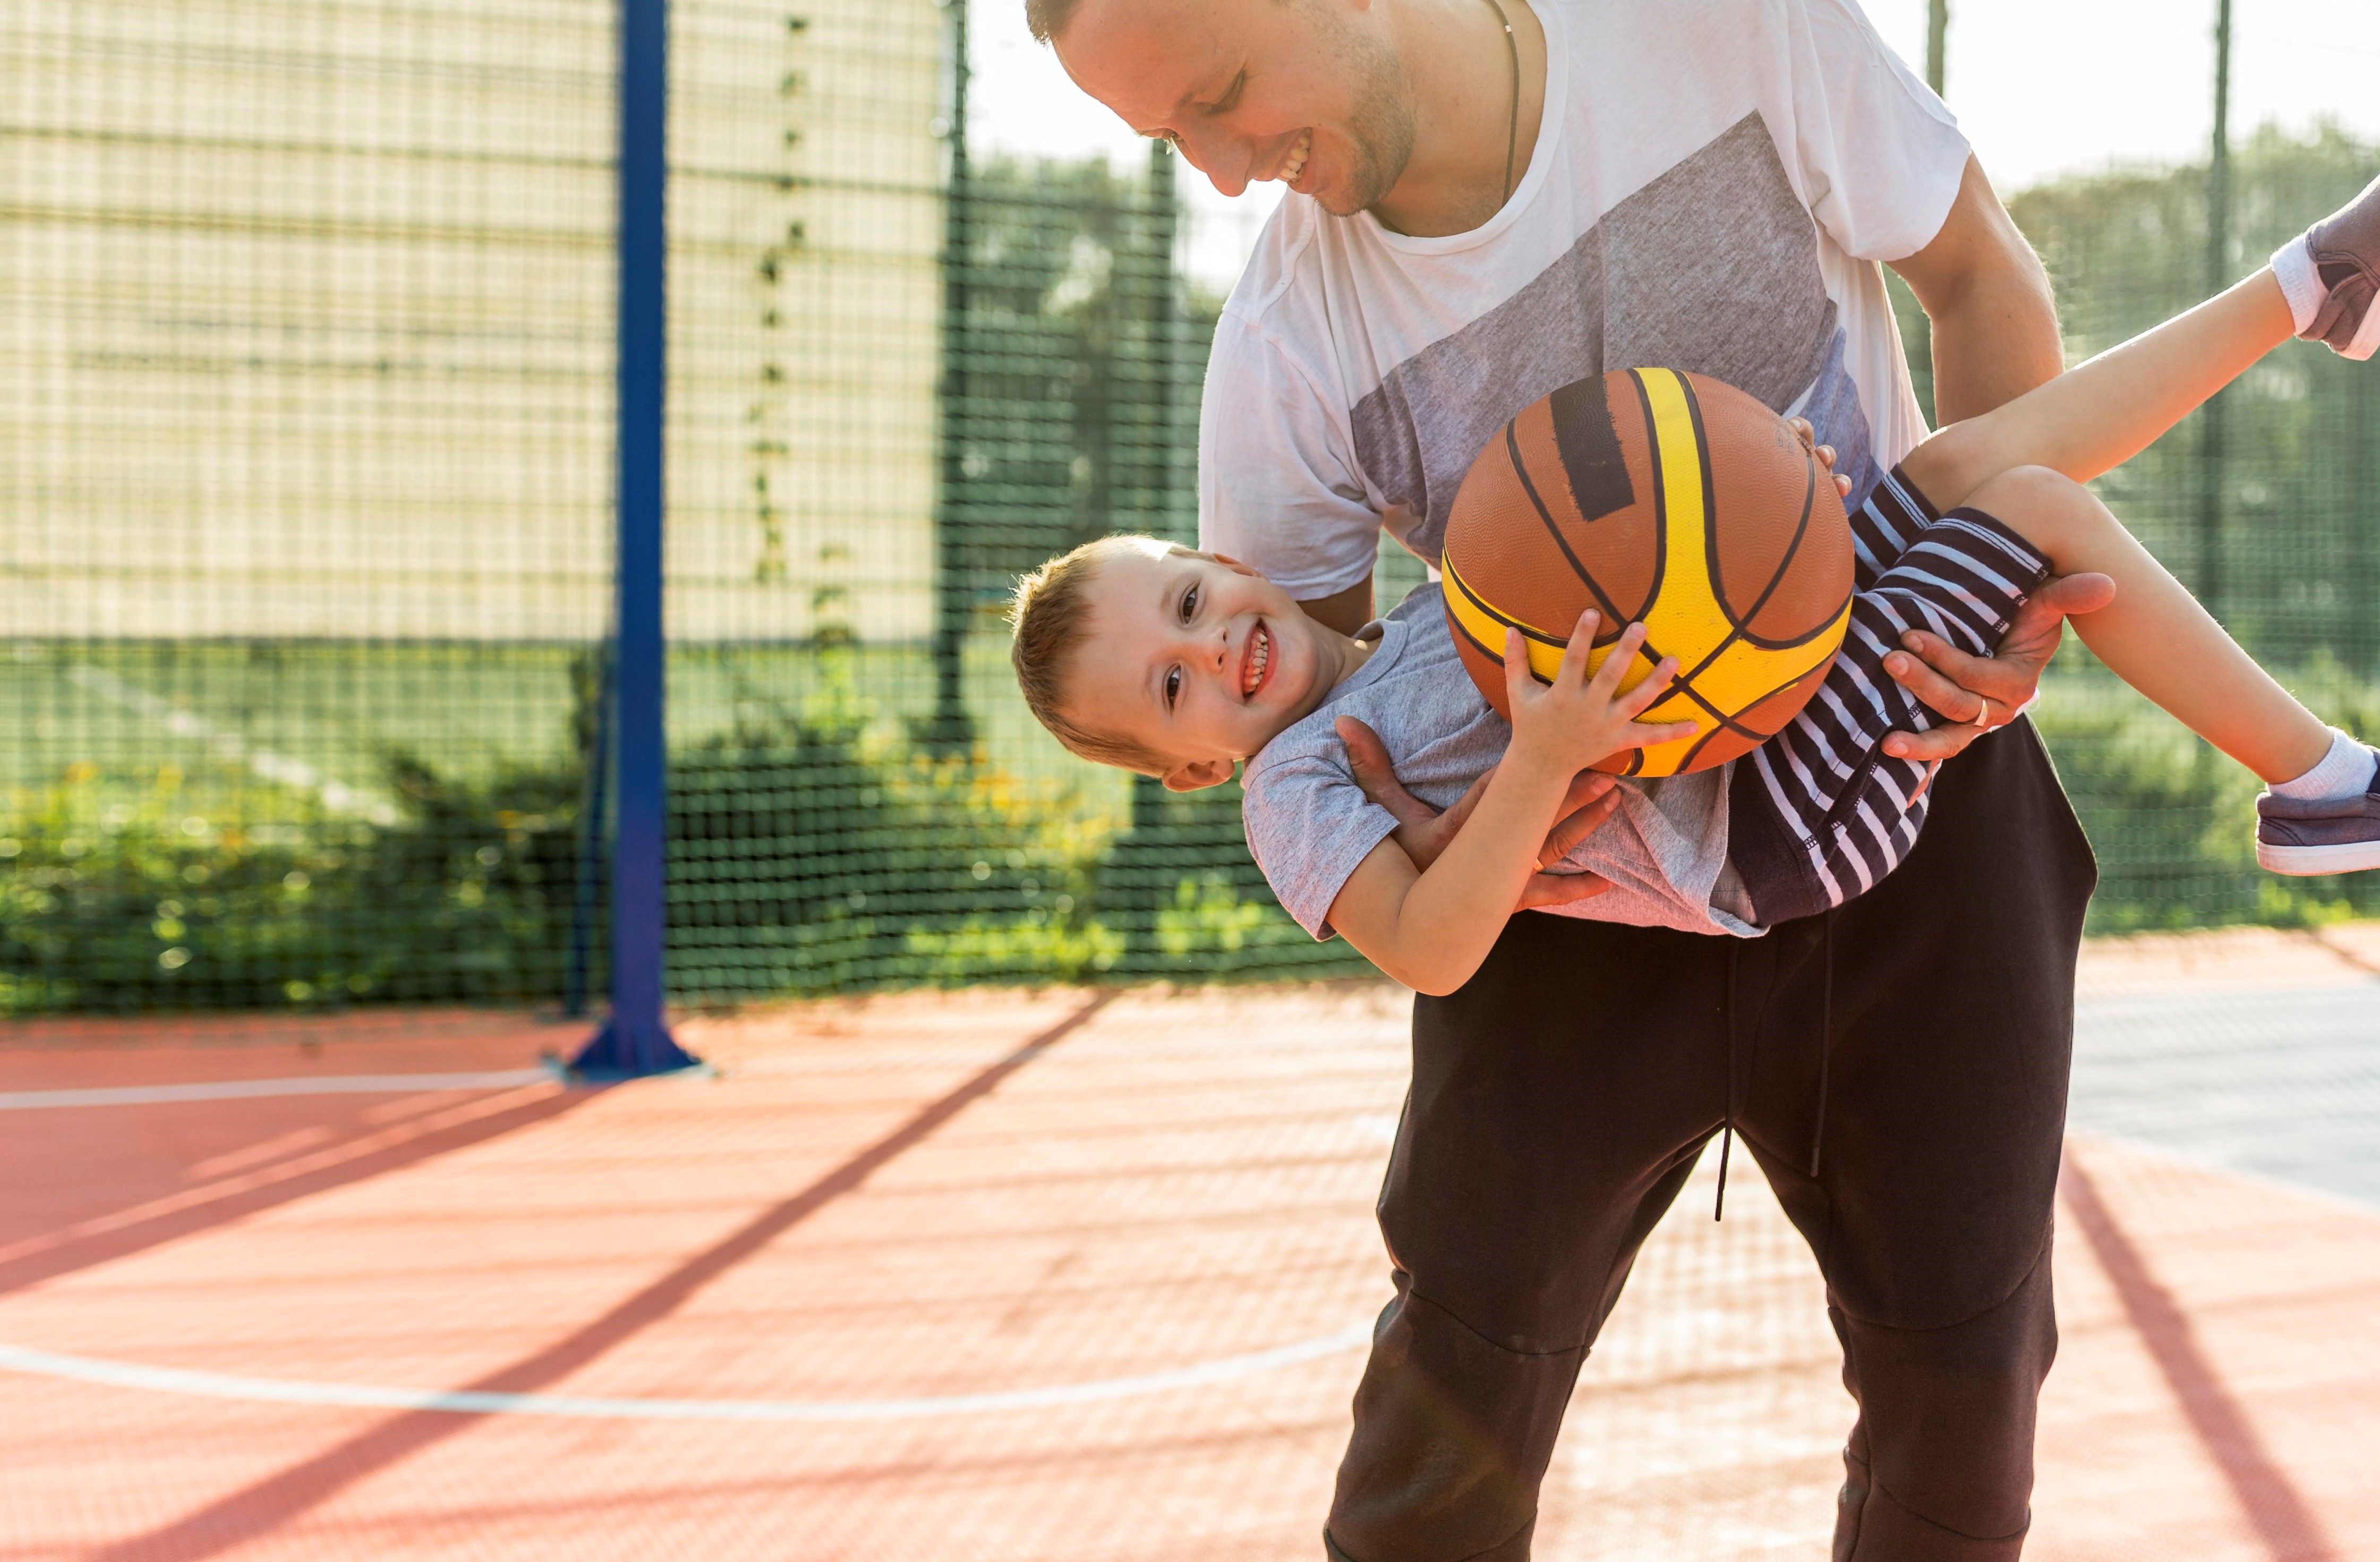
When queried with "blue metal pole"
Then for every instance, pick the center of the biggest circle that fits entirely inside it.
(637, 1040)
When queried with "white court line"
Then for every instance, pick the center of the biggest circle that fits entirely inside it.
(352, 1395)
(235, 1089)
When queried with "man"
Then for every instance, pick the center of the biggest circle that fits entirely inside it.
(1492, 198)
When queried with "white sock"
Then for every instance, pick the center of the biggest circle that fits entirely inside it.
(2346, 771)
(2300, 282)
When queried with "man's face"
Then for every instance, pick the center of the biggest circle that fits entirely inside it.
(1307, 91)
(1195, 657)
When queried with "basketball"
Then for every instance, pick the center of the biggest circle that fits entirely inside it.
(1666, 498)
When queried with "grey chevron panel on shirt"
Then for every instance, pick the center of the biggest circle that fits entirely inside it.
(1712, 267)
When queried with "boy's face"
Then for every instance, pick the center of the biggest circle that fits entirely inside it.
(1198, 659)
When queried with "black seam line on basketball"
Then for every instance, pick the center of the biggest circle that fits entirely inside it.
(1792, 551)
(1710, 527)
(1727, 725)
(1740, 628)
(1521, 470)
(1660, 491)
(1681, 687)
(1736, 631)
(1539, 635)
(1497, 657)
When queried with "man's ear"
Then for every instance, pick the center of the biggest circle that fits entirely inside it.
(1197, 775)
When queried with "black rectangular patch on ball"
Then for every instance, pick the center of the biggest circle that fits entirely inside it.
(1590, 449)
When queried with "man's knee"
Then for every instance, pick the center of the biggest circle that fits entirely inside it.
(1453, 1435)
(1946, 1417)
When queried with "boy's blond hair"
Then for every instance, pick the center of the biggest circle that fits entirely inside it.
(1049, 615)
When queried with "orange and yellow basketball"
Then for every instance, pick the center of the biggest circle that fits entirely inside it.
(1667, 499)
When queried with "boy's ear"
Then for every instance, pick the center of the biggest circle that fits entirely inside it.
(1197, 775)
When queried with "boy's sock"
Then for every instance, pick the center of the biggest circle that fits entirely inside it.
(2330, 274)
(2346, 771)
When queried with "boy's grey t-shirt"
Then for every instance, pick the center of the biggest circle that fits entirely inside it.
(1309, 824)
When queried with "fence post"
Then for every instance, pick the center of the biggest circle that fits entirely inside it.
(952, 729)
(635, 1040)
(2213, 445)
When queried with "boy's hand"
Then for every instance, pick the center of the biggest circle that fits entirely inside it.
(1423, 832)
(1824, 453)
(1576, 721)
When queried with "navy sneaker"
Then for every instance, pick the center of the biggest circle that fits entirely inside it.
(2340, 836)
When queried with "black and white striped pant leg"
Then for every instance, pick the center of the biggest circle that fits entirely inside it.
(1820, 813)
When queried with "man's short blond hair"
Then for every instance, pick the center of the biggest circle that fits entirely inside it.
(1050, 617)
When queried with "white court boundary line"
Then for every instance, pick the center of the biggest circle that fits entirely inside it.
(353, 1395)
(237, 1089)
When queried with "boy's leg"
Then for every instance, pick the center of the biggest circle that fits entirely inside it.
(2324, 284)
(2155, 635)
(1948, 995)
(1820, 813)
(1551, 1123)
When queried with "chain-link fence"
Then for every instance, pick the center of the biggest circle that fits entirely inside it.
(305, 515)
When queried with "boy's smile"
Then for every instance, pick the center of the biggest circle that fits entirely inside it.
(1201, 660)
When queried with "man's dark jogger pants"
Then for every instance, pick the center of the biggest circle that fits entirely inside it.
(1560, 1098)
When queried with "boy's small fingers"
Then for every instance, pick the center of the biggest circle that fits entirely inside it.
(1656, 685)
(1516, 663)
(1652, 734)
(1581, 647)
(1842, 485)
(1617, 662)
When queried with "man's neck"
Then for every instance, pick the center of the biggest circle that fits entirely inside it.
(1461, 66)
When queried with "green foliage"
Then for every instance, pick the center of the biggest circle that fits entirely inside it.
(813, 855)
(2173, 822)
(140, 892)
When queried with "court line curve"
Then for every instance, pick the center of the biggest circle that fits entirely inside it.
(238, 1089)
(356, 1396)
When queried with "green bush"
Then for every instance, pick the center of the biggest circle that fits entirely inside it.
(141, 892)
(2172, 821)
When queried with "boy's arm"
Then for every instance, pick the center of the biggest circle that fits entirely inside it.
(1431, 930)
(2103, 413)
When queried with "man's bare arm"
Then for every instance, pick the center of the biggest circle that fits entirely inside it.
(1995, 338)
(1995, 322)
(1345, 611)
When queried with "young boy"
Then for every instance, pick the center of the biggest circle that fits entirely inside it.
(1179, 664)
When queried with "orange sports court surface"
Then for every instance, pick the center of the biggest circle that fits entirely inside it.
(1060, 1275)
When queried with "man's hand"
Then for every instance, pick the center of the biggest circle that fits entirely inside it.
(1422, 832)
(1977, 694)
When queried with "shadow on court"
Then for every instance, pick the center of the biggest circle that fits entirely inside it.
(1001, 1276)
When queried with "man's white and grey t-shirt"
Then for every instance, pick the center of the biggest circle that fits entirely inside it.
(1713, 184)
(1712, 188)
(1309, 824)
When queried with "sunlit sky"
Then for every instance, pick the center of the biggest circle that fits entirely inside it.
(2040, 86)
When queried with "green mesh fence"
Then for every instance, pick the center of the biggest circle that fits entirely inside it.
(2273, 518)
(305, 515)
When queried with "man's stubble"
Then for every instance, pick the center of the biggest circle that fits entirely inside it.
(1380, 127)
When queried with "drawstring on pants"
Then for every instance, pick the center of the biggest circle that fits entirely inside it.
(1727, 1112)
(1825, 1030)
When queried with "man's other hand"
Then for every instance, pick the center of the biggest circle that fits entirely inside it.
(1422, 832)
(1977, 694)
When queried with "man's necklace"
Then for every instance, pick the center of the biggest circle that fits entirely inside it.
(1512, 132)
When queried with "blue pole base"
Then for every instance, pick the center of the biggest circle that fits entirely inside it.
(629, 1051)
